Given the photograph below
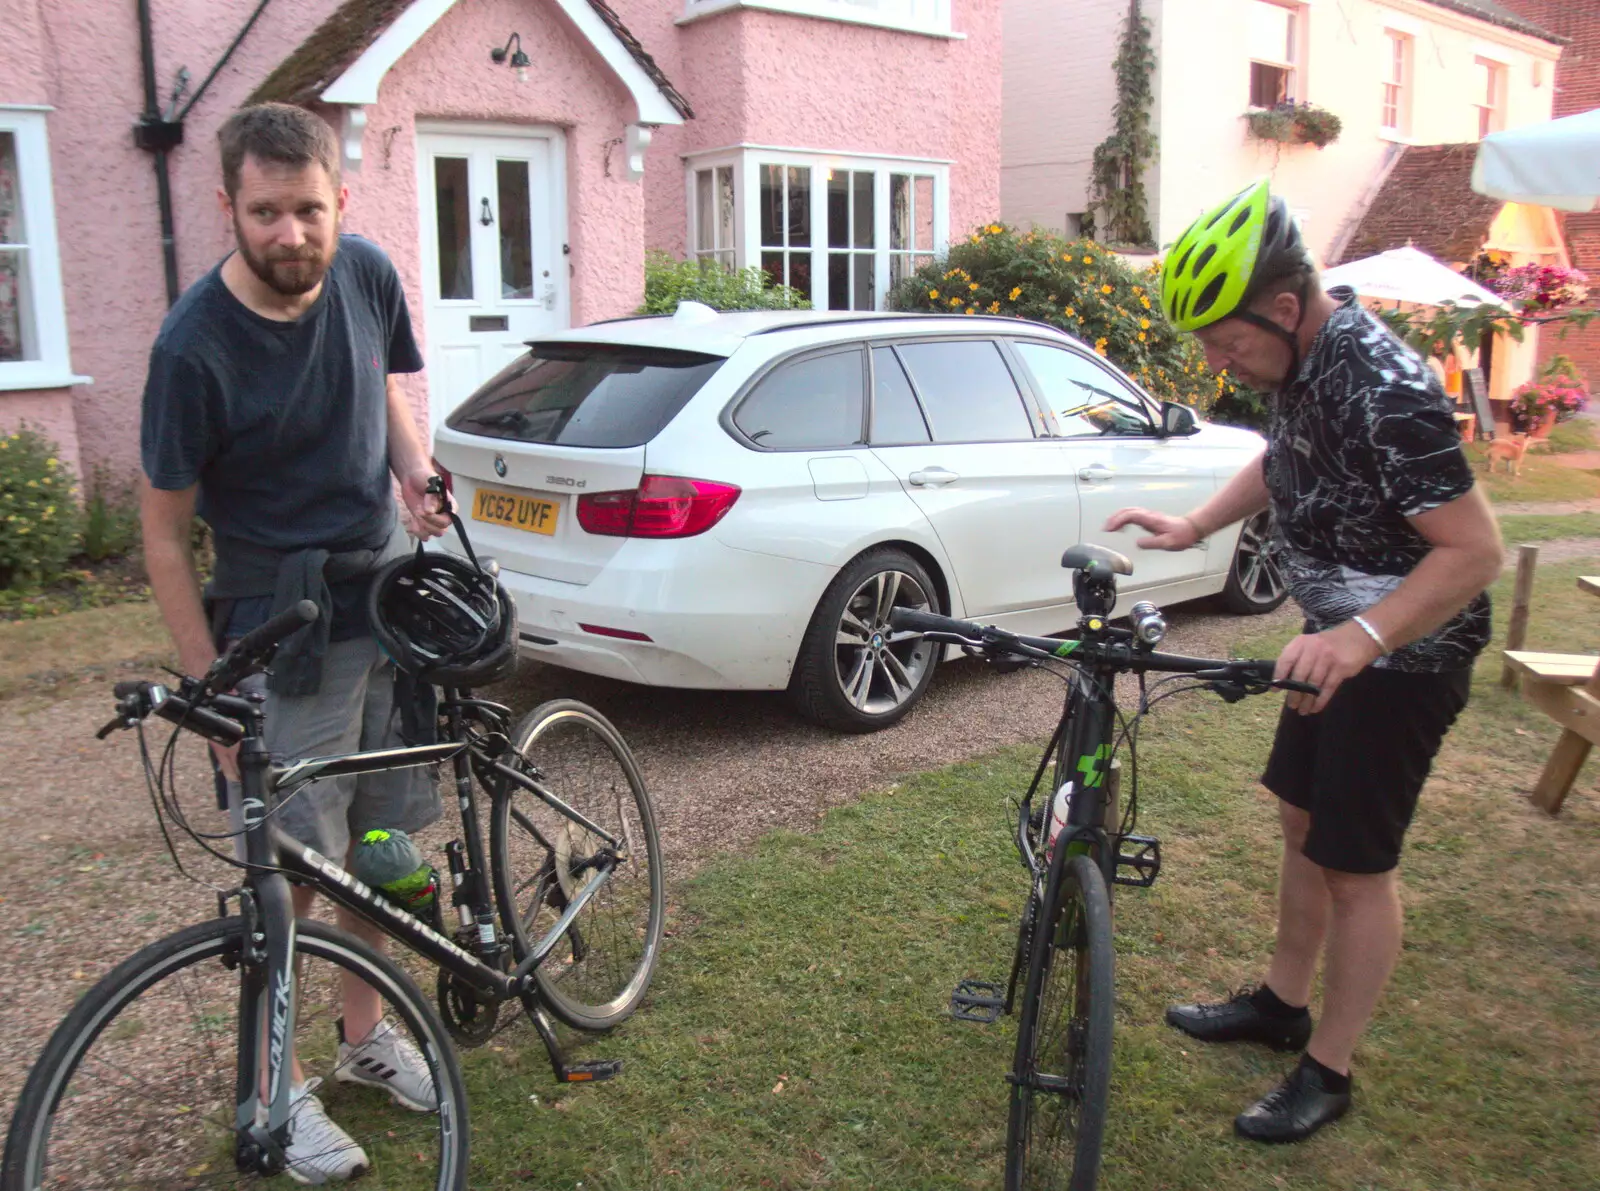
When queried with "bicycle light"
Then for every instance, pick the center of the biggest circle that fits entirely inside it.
(1149, 626)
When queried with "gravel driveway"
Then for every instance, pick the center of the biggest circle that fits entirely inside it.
(88, 880)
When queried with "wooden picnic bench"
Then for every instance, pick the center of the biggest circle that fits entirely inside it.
(1565, 686)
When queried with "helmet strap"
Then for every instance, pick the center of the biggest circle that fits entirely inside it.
(1292, 338)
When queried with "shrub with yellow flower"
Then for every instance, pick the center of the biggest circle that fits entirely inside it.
(38, 510)
(1078, 286)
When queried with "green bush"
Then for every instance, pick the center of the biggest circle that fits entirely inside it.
(668, 281)
(1085, 290)
(38, 512)
(110, 517)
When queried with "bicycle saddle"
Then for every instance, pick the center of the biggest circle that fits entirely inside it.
(1079, 557)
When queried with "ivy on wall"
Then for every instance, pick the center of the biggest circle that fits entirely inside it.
(1116, 186)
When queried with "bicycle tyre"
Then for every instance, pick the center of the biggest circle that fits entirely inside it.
(1054, 1135)
(598, 975)
(220, 939)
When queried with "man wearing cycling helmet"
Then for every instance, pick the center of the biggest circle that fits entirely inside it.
(1387, 546)
(271, 408)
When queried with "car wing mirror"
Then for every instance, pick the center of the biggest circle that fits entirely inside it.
(1177, 420)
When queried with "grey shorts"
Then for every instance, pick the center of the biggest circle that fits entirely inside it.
(354, 711)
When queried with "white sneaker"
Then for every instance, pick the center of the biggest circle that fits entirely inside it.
(387, 1059)
(318, 1150)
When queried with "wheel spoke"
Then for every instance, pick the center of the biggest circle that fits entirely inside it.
(851, 630)
(900, 683)
(859, 685)
(888, 590)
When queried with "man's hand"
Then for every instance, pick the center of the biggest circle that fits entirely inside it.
(1167, 532)
(1325, 660)
(429, 515)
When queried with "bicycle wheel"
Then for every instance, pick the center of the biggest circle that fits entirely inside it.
(1062, 1071)
(136, 1088)
(599, 971)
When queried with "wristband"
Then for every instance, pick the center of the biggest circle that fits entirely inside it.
(1371, 632)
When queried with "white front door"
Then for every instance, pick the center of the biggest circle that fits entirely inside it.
(492, 202)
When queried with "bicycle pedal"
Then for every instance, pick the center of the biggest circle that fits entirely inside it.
(591, 1070)
(976, 1001)
(1141, 854)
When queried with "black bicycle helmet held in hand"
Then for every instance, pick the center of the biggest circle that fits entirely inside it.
(443, 619)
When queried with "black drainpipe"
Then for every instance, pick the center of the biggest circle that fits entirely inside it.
(161, 135)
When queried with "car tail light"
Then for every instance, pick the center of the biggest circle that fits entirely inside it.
(444, 474)
(661, 507)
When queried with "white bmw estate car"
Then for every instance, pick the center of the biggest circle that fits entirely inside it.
(737, 501)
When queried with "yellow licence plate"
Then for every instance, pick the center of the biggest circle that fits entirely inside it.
(518, 512)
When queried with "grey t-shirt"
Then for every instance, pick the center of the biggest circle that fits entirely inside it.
(284, 425)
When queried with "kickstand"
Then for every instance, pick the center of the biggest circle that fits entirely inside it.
(581, 1071)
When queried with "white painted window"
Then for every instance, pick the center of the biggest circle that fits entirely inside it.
(713, 215)
(1396, 112)
(33, 317)
(912, 16)
(1273, 41)
(841, 228)
(1489, 95)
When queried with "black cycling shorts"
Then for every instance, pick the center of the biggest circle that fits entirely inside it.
(1358, 765)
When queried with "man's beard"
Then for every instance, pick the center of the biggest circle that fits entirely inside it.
(288, 273)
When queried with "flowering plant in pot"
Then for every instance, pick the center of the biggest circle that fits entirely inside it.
(1539, 404)
(1541, 289)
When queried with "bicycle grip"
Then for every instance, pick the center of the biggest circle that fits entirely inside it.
(247, 652)
(915, 621)
(1263, 670)
(123, 689)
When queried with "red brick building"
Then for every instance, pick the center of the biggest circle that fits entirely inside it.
(1577, 90)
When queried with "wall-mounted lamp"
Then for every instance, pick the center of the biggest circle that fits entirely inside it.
(519, 61)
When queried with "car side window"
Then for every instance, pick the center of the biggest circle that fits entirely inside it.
(896, 417)
(1087, 400)
(813, 403)
(967, 391)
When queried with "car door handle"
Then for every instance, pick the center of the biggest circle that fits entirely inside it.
(1096, 471)
(932, 477)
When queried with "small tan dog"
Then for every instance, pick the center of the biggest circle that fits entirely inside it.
(1511, 449)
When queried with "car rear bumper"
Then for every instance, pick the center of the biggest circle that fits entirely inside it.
(716, 617)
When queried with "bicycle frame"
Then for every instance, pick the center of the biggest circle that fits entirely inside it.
(274, 860)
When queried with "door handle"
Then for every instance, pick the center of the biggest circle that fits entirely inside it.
(932, 477)
(549, 298)
(1096, 471)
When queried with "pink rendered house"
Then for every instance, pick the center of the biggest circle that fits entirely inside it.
(516, 158)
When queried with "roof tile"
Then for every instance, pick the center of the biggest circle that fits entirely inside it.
(1427, 201)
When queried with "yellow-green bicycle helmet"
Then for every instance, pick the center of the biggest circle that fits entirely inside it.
(1227, 255)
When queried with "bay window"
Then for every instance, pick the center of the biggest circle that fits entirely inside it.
(840, 228)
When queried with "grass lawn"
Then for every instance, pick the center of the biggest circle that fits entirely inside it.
(1542, 478)
(796, 1034)
(1538, 527)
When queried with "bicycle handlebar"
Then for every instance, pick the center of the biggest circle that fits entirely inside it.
(1122, 656)
(192, 706)
(256, 647)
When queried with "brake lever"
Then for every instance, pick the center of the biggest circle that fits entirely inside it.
(115, 725)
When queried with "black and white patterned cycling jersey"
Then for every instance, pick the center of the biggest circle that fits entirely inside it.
(1363, 439)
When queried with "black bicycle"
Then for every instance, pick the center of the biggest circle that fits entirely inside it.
(177, 1069)
(1074, 855)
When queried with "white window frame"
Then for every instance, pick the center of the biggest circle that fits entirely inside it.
(748, 161)
(1494, 112)
(931, 18)
(51, 365)
(725, 254)
(1294, 66)
(1396, 83)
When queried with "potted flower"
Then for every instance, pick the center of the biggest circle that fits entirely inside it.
(1538, 405)
(1293, 123)
(1541, 289)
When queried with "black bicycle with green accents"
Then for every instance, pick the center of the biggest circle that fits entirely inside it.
(1075, 854)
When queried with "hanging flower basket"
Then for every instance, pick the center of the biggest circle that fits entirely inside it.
(1294, 124)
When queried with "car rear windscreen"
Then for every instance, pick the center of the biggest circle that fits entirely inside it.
(585, 395)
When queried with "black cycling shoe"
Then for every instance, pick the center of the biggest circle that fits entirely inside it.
(1294, 1110)
(1238, 1020)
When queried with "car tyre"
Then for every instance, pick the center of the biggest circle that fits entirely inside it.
(1255, 577)
(853, 673)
